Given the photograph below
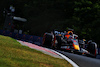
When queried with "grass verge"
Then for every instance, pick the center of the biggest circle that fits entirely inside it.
(13, 54)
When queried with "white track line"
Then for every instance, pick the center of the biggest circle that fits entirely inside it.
(66, 58)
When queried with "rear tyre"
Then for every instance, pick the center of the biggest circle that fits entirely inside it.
(47, 39)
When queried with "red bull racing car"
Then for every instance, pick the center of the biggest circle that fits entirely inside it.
(68, 41)
(59, 40)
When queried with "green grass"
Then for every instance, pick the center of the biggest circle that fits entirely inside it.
(13, 54)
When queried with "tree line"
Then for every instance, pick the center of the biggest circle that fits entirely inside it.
(45, 15)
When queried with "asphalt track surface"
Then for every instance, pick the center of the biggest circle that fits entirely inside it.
(82, 61)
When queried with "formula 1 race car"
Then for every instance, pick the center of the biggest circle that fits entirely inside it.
(59, 40)
(69, 41)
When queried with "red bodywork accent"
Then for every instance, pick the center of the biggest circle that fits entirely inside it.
(67, 36)
(67, 49)
(95, 52)
(74, 40)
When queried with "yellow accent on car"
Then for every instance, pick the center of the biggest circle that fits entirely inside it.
(84, 40)
(70, 32)
(59, 34)
(76, 47)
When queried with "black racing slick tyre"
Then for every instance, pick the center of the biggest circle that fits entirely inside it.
(47, 39)
(92, 48)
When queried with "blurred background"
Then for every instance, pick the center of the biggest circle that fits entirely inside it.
(42, 16)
